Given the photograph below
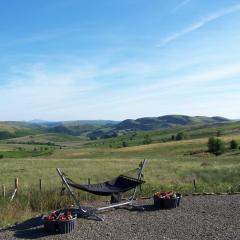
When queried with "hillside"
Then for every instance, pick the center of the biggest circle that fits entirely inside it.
(17, 129)
(151, 123)
(94, 129)
(189, 131)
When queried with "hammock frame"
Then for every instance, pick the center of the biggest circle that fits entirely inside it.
(84, 212)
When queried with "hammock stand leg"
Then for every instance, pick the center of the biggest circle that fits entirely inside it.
(82, 211)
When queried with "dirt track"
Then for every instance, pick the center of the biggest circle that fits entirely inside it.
(198, 217)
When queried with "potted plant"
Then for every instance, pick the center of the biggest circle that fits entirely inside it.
(50, 222)
(166, 200)
(60, 222)
(66, 222)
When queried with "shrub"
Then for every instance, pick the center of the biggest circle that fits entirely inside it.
(219, 133)
(124, 144)
(1, 156)
(233, 144)
(216, 146)
(211, 144)
(92, 137)
(147, 139)
(180, 136)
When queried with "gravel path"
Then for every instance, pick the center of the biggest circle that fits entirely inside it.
(198, 217)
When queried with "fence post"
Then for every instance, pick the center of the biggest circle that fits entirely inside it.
(16, 183)
(194, 185)
(40, 184)
(88, 181)
(3, 191)
(16, 189)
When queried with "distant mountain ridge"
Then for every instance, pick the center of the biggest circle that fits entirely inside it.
(101, 128)
(151, 123)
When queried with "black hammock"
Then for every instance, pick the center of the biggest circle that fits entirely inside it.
(117, 185)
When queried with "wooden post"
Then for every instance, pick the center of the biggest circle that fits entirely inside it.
(3, 191)
(15, 190)
(194, 185)
(89, 181)
(40, 184)
(16, 183)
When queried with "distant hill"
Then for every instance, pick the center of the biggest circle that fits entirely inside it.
(12, 129)
(79, 127)
(101, 128)
(91, 122)
(17, 129)
(151, 123)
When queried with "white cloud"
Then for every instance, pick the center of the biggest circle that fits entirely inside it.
(91, 91)
(169, 95)
(181, 4)
(37, 91)
(202, 22)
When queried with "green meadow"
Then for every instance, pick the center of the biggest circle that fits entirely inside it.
(171, 165)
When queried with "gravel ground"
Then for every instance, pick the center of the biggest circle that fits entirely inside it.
(198, 217)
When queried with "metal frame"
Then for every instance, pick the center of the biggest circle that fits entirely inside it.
(88, 213)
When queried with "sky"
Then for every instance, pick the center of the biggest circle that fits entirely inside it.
(111, 59)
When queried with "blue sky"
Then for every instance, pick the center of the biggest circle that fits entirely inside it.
(110, 59)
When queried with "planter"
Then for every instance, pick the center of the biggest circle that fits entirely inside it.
(166, 202)
(59, 222)
(51, 226)
(67, 226)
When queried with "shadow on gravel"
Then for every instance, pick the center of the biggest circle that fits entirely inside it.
(146, 208)
(30, 229)
(149, 208)
(140, 208)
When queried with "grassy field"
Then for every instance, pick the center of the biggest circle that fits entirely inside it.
(170, 166)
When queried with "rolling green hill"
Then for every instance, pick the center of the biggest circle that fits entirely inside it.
(151, 123)
(17, 129)
(94, 129)
(189, 131)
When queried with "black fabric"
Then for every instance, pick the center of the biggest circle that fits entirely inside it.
(115, 198)
(117, 185)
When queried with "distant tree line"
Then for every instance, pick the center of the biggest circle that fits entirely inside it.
(32, 142)
(179, 136)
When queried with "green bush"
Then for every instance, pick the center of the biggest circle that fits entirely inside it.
(233, 144)
(147, 139)
(1, 156)
(219, 133)
(180, 136)
(216, 146)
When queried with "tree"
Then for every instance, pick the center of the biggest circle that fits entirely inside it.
(216, 146)
(219, 133)
(220, 149)
(233, 144)
(92, 137)
(147, 139)
(180, 136)
(211, 144)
